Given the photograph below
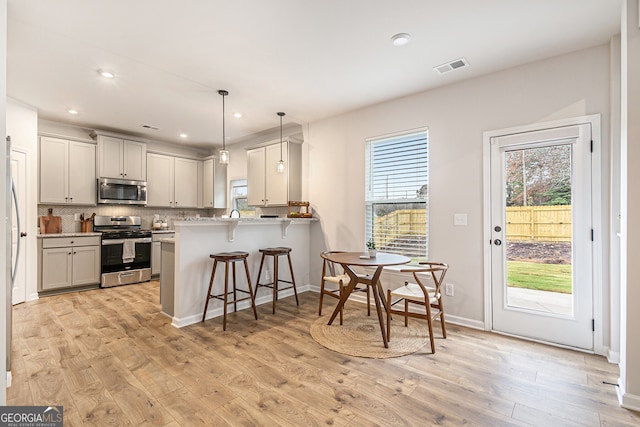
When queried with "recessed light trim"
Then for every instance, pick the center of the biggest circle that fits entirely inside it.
(183, 135)
(400, 39)
(72, 111)
(106, 74)
(237, 115)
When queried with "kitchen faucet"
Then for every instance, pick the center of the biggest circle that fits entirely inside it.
(236, 211)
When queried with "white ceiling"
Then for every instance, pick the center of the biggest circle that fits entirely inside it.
(310, 59)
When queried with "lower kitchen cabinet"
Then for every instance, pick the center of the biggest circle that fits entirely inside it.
(156, 258)
(68, 262)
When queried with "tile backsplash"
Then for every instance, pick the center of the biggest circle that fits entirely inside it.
(70, 225)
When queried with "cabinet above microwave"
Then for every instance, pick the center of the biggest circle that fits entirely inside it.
(121, 158)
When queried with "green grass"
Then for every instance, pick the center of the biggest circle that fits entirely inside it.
(542, 277)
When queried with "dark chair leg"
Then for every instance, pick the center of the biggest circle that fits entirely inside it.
(293, 279)
(206, 304)
(275, 282)
(253, 301)
(255, 292)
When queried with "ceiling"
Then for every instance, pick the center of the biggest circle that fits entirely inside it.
(310, 59)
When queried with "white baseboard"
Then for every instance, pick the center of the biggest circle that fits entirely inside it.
(263, 298)
(613, 356)
(628, 400)
(454, 320)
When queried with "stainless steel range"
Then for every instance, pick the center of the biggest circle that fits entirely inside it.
(126, 250)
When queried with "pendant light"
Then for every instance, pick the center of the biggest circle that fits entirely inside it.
(224, 154)
(280, 168)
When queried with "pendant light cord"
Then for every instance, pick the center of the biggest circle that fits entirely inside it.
(281, 115)
(224, 135)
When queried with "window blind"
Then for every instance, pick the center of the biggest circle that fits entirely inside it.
(396, 194)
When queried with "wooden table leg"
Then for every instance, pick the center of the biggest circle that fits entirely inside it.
(378, 300)
(345, 294)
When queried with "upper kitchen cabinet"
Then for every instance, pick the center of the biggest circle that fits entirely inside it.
(121, 158)
(214, 189)
(67, 171)
(265, 185)
(172, 181)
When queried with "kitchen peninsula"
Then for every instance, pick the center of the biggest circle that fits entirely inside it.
(197, 238)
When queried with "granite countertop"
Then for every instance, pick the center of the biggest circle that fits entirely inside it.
(244, 219)
(76, 234)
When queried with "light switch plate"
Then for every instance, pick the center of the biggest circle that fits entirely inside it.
(460, 219)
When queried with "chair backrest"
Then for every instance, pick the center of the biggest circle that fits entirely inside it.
(438, 270)
(330, 268)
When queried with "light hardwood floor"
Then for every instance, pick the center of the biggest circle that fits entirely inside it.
(110, 358)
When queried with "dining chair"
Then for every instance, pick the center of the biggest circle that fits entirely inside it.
(417, 293)
(333, 273)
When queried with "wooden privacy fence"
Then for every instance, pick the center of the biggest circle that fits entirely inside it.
(399, 224)
(539, 223)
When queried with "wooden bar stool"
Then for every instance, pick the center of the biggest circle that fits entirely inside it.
(276, 253)
(233, 258)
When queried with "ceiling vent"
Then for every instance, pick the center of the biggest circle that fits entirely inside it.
(150, 127)
(452, 65)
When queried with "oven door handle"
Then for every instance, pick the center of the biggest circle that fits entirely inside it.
(106, 242)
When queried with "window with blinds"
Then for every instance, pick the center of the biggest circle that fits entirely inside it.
(396, 194)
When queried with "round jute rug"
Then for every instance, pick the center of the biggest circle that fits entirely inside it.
(360, 335)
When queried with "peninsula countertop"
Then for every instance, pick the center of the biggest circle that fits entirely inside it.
(197, 238)
(247, 219)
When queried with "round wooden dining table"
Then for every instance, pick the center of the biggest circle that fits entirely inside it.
(351, 259)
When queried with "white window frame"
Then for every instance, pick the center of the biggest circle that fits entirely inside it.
(420, 196)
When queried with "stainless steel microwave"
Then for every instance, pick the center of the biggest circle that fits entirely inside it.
(122, 191)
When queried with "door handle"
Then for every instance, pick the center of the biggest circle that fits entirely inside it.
(497, 242)
(23, 234)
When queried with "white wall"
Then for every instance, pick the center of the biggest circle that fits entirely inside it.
(572, 85)
(629, 383)
(22, 125)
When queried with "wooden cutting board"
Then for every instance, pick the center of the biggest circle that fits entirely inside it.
(50, 224)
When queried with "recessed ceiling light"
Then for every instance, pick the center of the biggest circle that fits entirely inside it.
(72, 111)
(237, 115)
(400, 39)
(183, 135)
(106, 74)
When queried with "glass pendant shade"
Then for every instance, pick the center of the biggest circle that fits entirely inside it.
(224, 157)
(280, 166)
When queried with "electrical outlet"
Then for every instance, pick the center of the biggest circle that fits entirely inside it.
(448, 289)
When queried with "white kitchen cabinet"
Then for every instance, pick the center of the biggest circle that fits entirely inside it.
(156, 251)
(265, 185)
(69, 262)
(67, 171)
(214, 185)
(186, 183)
(121, 158)
(172, 181)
